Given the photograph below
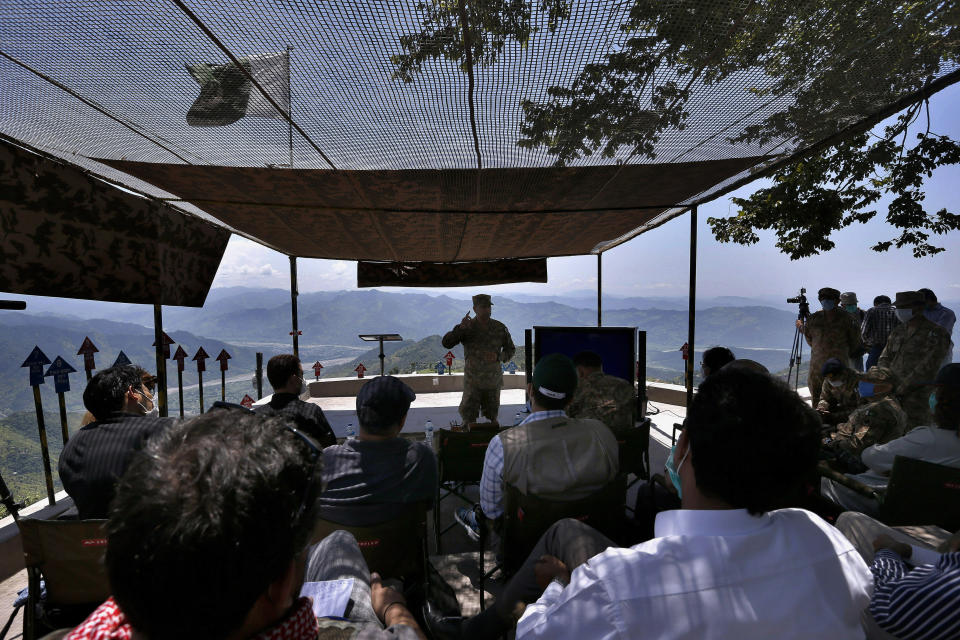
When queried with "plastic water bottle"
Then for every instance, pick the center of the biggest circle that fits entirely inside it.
(351, 432)
(428, 433)
(517, 419)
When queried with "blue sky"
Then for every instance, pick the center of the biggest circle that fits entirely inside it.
(656, 263)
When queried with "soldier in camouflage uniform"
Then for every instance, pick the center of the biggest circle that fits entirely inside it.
(486, 343)
(831, 334)
(838, 395)
(606, 398)
(914, 351)
(878, 420)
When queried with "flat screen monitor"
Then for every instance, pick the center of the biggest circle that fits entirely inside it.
(617, 346)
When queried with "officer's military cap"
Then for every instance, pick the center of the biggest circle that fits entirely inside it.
(848, 298)
(481, 299)
(908, 299)
(828, 293)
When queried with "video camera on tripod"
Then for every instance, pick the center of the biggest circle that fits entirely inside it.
(796, 350)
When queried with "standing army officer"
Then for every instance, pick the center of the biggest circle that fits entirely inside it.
(486, 343)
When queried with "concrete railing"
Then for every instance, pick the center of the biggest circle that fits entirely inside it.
(419, 382)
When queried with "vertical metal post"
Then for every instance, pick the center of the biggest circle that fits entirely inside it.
(691, 319)
(44, 447)
(290, 105)
(200, 381)
(259, 375)
(161, 395)
(293, 304)
(599, 289)
(180, 389)
(65, 432)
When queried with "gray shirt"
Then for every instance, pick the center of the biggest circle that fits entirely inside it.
(370, 482)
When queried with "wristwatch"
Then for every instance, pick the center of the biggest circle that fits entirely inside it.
(563, 582)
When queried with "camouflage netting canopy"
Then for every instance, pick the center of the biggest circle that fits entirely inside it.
(451, 131)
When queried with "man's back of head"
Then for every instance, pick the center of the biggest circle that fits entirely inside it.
(588, 360)
(280, 368)
(207, 517)
(107, 390)
(752, 440)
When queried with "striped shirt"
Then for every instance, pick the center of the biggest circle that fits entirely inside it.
(491, 482)
(877, 324)
(923, 604)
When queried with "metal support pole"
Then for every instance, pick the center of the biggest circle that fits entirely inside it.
(65, 432)
(691, 320)
(259, 375)
(293, 304)
(44, 447)
(599, 289)
(161, 395)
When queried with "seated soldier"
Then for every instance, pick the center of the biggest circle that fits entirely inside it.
(285, 374)
(939, 444)
(876, 420)
(728, 564)
(97, 455)
(838, 395)
(609, 399)
(208, 538)
(373, 478)
(548, 455)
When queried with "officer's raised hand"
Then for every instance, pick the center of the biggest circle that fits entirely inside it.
(466, 322)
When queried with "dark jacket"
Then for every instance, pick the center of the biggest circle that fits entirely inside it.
(307, 416)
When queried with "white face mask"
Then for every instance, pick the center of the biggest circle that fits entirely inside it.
(904, 314)
(835, 383)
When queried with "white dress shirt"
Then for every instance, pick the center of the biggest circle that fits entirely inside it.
(940, 446)
(711, 575)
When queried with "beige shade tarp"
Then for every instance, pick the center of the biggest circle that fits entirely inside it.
(446, 215)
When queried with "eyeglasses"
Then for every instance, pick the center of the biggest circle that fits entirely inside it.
(315, 451)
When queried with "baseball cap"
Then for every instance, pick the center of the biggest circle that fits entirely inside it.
(831, 366)
(555, 376)
(382, 402)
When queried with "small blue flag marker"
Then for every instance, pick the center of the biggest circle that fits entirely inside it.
(60, 370)
(121, 361)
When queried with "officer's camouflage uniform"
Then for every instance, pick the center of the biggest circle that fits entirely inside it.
(877, 421)
(839, 401)
(606, 398)
(484, 348)
(830, 334)
(914, 352)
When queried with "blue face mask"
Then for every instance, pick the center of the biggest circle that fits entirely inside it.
(674, 472)
(866, 389)
(828, 305)
(933, 401)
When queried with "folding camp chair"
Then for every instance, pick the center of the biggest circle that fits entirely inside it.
(68, 555)
(527, 517)
(635, 452)
(459, 463)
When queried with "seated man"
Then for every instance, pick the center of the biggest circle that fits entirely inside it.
(285, 374)
(714, 359)
(548, 454)
(609, 399)
(97, 455)
(371, 479)
(916, 587)
(939, 444)
(725, 565)
(208, 538)
(838, 395)
(877, 419)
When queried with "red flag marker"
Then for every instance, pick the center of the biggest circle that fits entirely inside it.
(360, 369)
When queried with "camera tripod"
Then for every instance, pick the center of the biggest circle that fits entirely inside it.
(796, 349)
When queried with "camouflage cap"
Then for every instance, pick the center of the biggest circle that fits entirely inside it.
(949, 375)
(908, 299)
(848, 297)
(482, 299)
(828, 293)
(555, 376)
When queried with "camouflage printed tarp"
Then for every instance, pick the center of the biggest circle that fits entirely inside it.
(70, 235)
(450, 274)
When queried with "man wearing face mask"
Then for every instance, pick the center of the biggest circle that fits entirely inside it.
(877, 420)
(830, 334)
(914, 352)
(285, 374)
(97, 455)
(838, 395)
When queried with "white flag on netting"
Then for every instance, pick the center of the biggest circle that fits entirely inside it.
(226, 94)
